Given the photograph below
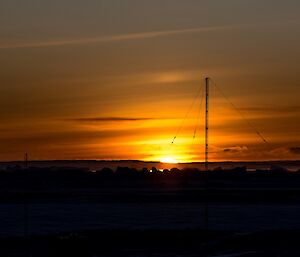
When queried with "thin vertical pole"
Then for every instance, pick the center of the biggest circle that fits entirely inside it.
(26, 160)
(206, 153)
(206, 121)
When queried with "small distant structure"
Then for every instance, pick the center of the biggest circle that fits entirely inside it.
(26, 160)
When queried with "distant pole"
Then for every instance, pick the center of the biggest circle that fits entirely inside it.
(26, 160)
(206, 121)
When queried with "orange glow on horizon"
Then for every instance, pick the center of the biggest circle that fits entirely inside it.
(170, 160)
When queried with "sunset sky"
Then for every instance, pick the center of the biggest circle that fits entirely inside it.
(113, 79)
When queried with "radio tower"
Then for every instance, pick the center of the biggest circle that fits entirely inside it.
(206, 121)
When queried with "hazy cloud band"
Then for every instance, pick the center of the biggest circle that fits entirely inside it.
(115, 38)
(136, 36)
(109, 119)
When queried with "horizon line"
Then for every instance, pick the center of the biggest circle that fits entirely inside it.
(130, 160)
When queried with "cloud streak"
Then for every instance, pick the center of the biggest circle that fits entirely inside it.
(294, 150)
(136, 36)
(235, 149)
(273, 109)
(117, 38)
(109, 119)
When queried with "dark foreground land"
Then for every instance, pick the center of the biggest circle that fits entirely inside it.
(63, 184)
(143, 212)
(156, 243)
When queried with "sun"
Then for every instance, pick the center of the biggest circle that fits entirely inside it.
(169, 160)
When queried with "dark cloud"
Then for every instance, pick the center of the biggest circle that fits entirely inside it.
(294, 150)
(273, 109)
(80, 136)
(235, 149)
(109, 119)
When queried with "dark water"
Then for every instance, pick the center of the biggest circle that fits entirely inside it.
(45, 218)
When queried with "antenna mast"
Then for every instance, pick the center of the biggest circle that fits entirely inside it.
(206, 121)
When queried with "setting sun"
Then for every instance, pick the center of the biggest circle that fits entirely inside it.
(169, 160)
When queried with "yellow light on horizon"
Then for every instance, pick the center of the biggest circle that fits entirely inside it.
(169, 160)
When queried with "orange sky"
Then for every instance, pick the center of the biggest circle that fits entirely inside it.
(114, 79)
